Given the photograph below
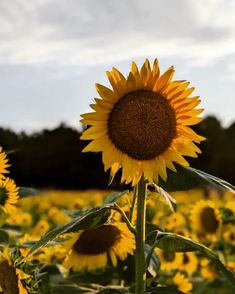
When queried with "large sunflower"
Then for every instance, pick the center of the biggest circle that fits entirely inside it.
(3, 163)
(90, 249)
(142, 124)
(8, 194)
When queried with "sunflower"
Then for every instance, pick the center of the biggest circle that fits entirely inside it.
(90, 249)
(51, 255)
(3, 163)
(169, 260)
(206, 220)
(182, 282)
(229, 234)
(143, 124)
(207, 271)
(189, 262)
(11, 277)
(8, 194)
(174, 220)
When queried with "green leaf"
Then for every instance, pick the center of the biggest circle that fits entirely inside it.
(4, 237)
(227, 214)
(25, 192)
(93, 218)
(3, 217)
(114, 197)
(187, 178)
(212, 287)
(176, 243)
(173, 242)
(169, 199)
(152, 260)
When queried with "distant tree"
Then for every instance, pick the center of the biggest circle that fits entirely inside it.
(54, 158)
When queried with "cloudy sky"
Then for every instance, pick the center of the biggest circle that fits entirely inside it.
(53, 51)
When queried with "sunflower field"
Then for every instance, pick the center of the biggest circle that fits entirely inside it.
(169, 230)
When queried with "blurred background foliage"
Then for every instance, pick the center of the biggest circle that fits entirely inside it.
(53, 158)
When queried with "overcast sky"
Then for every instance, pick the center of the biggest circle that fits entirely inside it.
(52, 52)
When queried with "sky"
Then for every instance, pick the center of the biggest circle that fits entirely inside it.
(52, 52)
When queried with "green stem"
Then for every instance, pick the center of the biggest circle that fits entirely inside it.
(125, 218)
(140, 275)
(133, 204)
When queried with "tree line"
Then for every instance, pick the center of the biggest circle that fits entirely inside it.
(53, 158)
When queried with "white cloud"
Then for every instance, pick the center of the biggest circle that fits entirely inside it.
(85, 33)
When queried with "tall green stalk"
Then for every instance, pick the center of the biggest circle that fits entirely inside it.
(140, 275)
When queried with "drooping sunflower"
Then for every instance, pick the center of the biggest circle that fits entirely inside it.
(11, 277)
(8, 194)
(143, 124)
(90, 249)
(3, 163)
(206, 220)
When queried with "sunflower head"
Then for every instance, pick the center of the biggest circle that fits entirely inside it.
(142, 124)
(8, 194)
(170, 260)
(91, 249)
(206, 220)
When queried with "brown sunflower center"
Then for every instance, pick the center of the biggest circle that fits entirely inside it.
(209, 221)
(98, 240)
(185, 258)
(3, 196)
(8, 278)
(142, 124)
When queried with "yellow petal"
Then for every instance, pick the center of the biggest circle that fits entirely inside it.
(131, 83)
(104, 92)
(164, 80)
(189, 121)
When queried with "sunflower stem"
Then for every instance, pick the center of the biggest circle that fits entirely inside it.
(133, 204)
(125, 218)
(140, 275)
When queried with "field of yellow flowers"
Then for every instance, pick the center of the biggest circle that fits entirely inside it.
(104, 255)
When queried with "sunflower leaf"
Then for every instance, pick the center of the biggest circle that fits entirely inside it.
(173, 242)
(187, 178)
(4, 237)
(152, 260)
(90, 219)
(169, 199)
(26, 191)
(114, 197)
(3, 217)
(176, 243)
